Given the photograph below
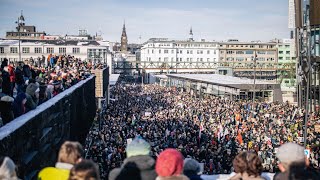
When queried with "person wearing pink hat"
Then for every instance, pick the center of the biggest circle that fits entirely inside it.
(169, 165)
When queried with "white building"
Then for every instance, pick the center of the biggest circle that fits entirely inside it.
(85, 50)
(187, 56)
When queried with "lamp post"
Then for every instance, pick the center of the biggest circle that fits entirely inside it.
(20, 23)
(254, 76)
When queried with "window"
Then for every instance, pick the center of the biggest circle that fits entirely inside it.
(37, 50)
(180, 51)
(239, 58)
(159, 58)
(159, 51)
(280, 52)
(251, 46)
(239, 52)
(208, 59)
(187, 51)
(208, 52)
(201, 59)
(187, 59)
(25, 50)
(214, 52)
(229, 52)
(249, 52)
(77, 50)
(221, 52)
(180, 59)
(287, 46)
(152, 51)
(261, 52)
(1, 50)
(287, 52)
(261, 46)
(287, 58)
(280, 58)
(190, 59)
(172, 51)
(166, 59)
(13, 50)
(280, 46)
(50, 50)
(148, 51)
(62, 50)
(166, 51)
(191, 51)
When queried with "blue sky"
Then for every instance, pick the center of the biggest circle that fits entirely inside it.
(245, 20)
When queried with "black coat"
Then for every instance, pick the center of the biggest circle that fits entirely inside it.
(135, 168)
(6, 84)
(6, 111)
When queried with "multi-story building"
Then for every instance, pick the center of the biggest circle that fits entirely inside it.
(287, 57)
(242, 56)
(172, 56)
(85, 50)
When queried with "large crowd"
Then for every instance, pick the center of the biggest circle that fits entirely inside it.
(25, 85)
(212, 130)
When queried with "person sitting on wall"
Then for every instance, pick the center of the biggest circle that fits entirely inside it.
(70, 153)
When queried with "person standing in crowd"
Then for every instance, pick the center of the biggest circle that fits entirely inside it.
(7, 169)
(19, 78)
(70, 154)
(138, 165)
(12, 78)
(191, 169)
(32, 93)
(247, 166)
(169, 165)
(6, 105)
(6, 84)
(294, 164)
(85, 170)
(19, 105)
(26, 71)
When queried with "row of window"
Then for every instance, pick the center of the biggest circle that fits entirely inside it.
(287, 52)
(166, 51)
(248, 52)
(184, 45)
(250, 46)
(180, 59)
(39, 50)
(287, 58)
(246, 59)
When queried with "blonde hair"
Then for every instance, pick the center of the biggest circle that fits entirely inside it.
(70, 152)
(85, 170)
(7, 169)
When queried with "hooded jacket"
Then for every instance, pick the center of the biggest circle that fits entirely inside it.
(139, 167)
(32, 100)
(18, 107)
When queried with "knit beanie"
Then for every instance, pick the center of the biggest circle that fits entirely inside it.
(169, 163)
(137, 147)
(191, 166)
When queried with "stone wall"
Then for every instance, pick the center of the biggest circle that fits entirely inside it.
(33, 139)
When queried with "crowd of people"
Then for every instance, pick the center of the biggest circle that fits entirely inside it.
(212, 130)
(25, 85)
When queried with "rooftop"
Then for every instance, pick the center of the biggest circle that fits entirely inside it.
(223, 80)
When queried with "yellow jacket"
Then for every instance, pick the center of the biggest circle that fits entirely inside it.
(60, 172)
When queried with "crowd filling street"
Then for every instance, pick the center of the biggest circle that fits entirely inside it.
(25, 85)
(211, 130)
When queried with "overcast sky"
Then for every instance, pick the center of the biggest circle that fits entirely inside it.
(245, 20)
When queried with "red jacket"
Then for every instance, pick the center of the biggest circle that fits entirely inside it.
(12, 74)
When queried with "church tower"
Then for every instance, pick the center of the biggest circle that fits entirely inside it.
(191, 35)
(124, 39)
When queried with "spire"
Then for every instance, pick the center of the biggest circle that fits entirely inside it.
(124, 40)
(191, 34)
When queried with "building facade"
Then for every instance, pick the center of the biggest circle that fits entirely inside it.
(85, 50)
(170, 56)
(287, 57)
(243, 56)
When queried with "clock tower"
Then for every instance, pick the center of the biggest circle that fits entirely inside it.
(124, 39)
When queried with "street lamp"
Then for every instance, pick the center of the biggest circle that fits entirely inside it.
(20, 23)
